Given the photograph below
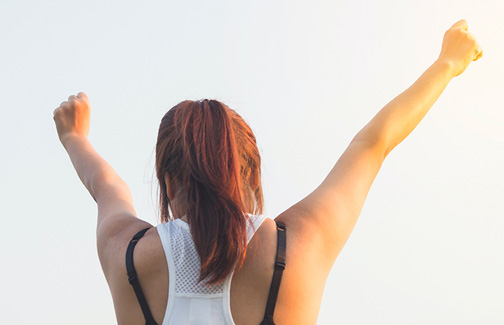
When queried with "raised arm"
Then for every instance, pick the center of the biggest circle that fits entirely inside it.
(397, 119)
(328, 215)
(111, 193)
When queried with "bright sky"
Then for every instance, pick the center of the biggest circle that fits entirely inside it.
(307, 76)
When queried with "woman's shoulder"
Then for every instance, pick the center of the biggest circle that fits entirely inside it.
(303, 279)
(148, 248)
(152, 271)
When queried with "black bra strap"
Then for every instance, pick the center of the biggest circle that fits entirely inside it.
(133, 280)
(277, 275)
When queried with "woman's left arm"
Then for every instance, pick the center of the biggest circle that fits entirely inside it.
(111, 193)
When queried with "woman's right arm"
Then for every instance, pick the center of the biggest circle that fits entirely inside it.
(331, 211)
(397, 119)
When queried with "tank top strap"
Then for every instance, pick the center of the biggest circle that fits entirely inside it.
(255, 222)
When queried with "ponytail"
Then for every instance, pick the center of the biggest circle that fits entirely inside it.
(212, 157)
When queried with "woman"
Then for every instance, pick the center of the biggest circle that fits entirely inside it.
(212, 259)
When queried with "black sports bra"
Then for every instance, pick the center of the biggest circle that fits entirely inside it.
(275, 282)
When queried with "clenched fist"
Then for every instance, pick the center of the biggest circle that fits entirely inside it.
(72, 116)
(460, 47)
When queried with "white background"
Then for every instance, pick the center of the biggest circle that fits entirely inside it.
(307, 76)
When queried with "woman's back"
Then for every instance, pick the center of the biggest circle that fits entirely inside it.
(300, 291)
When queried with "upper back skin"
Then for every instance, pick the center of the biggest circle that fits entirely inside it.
(300, 292)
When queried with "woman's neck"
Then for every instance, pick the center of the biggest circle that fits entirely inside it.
(178, 209)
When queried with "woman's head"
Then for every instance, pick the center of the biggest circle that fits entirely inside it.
(208, 168)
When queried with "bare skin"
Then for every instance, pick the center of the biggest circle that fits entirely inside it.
(317, 227)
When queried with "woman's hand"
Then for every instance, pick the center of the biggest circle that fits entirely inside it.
(72, 117)
(459, 48)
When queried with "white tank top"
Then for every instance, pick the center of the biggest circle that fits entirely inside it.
(190, 302)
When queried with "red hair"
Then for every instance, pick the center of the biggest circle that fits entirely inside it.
(212, 161)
